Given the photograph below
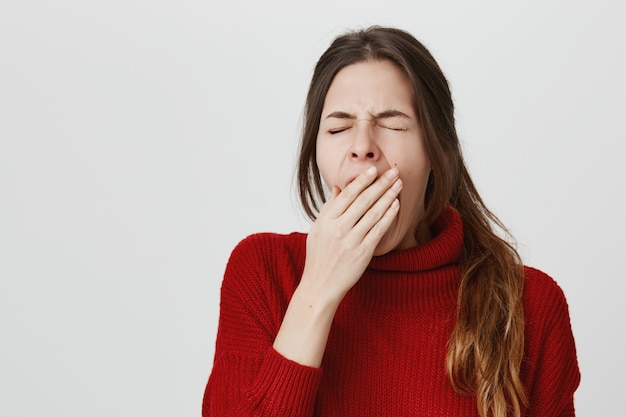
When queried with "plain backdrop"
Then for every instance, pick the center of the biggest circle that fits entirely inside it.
(141, 140)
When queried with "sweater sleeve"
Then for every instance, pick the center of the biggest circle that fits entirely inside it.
(249, 378)
(556, 373)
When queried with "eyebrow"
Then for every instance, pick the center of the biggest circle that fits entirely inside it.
(382, 115)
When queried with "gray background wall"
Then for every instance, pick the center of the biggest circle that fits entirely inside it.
(140, 141)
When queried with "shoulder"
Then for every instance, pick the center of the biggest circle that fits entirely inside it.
(276, 238)
(539, 282)
(542, 292)
(264, 260)
(265, 246)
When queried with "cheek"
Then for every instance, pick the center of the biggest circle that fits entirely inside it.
(414, 173)
(325, 166)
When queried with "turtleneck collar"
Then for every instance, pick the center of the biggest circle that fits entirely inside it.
(443, 249)
(421, 278)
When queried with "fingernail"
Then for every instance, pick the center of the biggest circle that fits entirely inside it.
(397, 185)
(371, 171)
(392, 173)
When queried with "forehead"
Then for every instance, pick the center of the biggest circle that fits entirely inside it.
(372, 86)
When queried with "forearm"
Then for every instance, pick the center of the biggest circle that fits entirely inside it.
(304, 331)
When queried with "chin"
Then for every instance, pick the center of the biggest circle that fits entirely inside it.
(396, 238)
(387, 244)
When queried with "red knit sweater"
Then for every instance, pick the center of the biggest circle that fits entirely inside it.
(387, 346)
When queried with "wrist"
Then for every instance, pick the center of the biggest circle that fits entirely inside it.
(321, 293)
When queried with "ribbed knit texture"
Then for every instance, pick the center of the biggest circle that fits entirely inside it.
(387, 346)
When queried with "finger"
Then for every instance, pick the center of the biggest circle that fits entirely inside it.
(376, 212)
(376, 233)
(328, 205)
(352, 191)
(368, 198)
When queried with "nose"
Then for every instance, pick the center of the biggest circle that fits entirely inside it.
(363, 146)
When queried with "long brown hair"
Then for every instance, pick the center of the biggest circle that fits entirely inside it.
(487, 344)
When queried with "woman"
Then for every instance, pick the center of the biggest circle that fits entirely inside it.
(401, 300)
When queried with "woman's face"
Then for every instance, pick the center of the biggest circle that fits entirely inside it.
(369, 119)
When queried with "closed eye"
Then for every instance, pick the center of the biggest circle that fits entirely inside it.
(395, 128)
(338, 130)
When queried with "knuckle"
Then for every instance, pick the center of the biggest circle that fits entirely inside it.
(338, 233)
(378, 230)
(367, 199)
(351, 193)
